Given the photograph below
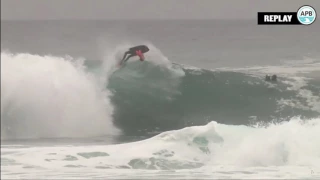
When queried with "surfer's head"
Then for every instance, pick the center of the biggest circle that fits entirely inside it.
(267, 78)
(144, 48)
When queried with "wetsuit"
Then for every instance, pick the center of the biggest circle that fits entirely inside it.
(135, 51)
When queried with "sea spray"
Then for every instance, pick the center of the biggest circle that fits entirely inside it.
(47, 96)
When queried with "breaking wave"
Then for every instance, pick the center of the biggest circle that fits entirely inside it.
(47, 96)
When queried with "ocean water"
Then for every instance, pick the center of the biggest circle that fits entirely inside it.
(197, 108)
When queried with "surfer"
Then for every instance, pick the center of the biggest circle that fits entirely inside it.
(135, 51)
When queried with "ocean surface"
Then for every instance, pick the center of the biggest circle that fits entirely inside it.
(198, 107)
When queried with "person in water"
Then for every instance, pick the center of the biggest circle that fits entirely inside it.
(271, 78)
(135, 51)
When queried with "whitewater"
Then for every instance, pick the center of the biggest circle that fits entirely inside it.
(70, 117)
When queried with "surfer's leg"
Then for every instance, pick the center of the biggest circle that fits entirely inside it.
(124, 57)
(131, 55)
(125, 54)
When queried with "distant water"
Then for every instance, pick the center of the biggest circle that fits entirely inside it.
(198, 107)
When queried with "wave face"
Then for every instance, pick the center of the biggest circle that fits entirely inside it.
(150, 98)
(46, 96)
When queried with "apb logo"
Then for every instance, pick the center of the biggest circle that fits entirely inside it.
(305, 15)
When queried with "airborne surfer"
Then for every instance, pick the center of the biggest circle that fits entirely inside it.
(135, 51)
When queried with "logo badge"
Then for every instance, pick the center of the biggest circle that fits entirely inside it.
(306, 15)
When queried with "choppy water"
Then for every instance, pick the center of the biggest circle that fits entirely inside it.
(199, 107)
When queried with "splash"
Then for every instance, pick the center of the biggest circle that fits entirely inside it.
(112, 55)
(47, 96)
(154, 55)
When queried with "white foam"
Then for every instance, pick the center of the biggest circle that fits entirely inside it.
(293, 143)
(47, 96)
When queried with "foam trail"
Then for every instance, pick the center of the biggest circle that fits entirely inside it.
(47, 96)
